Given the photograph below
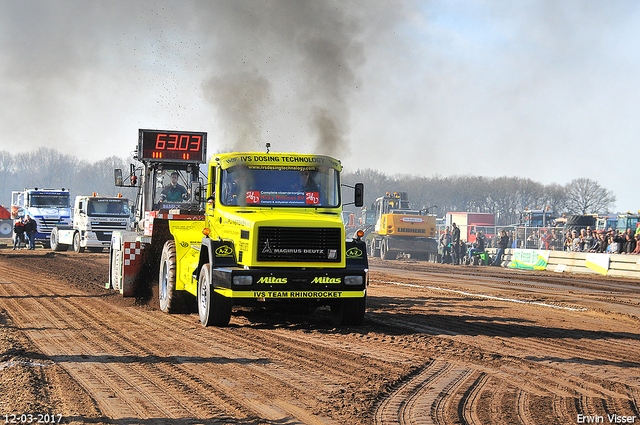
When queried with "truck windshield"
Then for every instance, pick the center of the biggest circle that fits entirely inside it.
(51, 201)
(271, 186)
(108, 208)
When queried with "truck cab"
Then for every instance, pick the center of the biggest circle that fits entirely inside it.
(48, 207)
(274, 234)
(95, 218)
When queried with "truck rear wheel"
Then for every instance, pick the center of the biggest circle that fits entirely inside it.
(170, 298)
(76, 243)
(213, 308)
(55, 244)
(349, 311)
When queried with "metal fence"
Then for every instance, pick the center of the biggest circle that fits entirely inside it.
(551, 238)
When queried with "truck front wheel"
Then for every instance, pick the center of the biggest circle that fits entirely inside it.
(76, 243)
(373, 252)
(169, 296)
(213, 308)
(349, 311)
(384, 252)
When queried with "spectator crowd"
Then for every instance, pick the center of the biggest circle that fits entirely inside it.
(608, 241)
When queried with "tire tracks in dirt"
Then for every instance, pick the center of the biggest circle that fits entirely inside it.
(421, 356)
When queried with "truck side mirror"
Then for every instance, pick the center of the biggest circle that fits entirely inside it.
(196, 196)
(117, 174)
(358, 196)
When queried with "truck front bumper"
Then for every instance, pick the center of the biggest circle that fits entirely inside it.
(412, 245)
(262, 284)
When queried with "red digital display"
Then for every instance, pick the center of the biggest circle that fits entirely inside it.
(172, 146)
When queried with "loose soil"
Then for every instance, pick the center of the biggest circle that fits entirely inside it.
(440, 344)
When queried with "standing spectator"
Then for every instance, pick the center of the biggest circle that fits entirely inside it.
(576, 242)
(30, 229)
(588, 241)
(629, 243)
(18, 233)
(637, 250)
(599, 244)
(547, 239)
(532, 241)
(455, 242)
(614, 244)
(445, 244)
(503, 243)
(567, 241)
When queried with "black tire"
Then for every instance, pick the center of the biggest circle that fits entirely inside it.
(171, 300)
(384, 252)
(349, 311)
(76, 243)
(55, 245)
(213, 308)
(372, 249)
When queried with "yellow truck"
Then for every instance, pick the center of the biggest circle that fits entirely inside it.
(269, 232)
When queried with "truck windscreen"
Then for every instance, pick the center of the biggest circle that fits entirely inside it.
(108, 208)
(49, 201)
(272, 186)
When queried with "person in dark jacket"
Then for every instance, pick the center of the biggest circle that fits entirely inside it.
(18, 233)
(503, 243)
(629, 244)
(30, 229)
(455, 244)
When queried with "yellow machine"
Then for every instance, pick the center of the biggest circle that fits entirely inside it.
(271, 233)
(400, 230)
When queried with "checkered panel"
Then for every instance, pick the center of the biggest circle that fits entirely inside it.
(132, 252)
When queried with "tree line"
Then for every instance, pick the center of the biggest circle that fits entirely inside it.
(506, 197)
(49, 169)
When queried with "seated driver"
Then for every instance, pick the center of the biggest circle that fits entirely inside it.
(174, 191)
(306, 182)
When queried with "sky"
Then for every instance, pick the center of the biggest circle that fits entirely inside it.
(539, 89)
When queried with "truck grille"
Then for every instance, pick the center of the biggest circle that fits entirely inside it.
(303, 244)
(108, 226)
(45, 225)
(104, 229)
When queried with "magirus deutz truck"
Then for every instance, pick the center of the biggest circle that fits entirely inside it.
(263, 229)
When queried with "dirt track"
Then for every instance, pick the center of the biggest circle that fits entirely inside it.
(435, 347)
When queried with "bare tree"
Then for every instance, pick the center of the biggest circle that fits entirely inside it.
(585, 196)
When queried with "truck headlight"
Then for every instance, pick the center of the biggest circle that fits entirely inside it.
(242, 280)
(353, 280)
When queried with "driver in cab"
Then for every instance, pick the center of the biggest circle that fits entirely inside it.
(174, 191)
(306, 182)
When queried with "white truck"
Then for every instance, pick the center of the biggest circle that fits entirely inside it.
(48, 207)
(94, 220)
